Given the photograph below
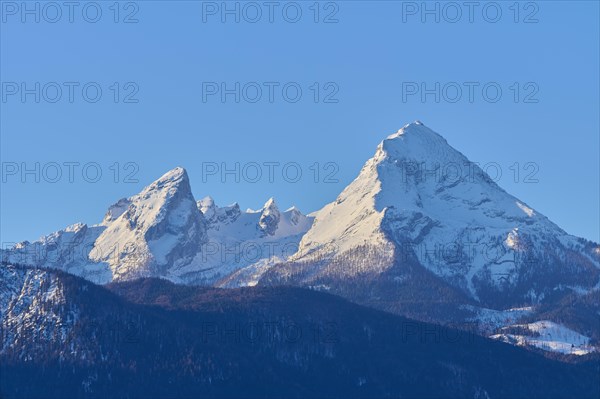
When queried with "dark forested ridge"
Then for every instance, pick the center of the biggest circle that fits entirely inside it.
(151, 338)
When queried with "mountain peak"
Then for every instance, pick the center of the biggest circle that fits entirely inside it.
(171, 182)
(413, 124)
(208, 201)
(270, 204)
(417, 142)
(176, 174)
(153, 229)
(207, 206)
(419, 190)
(416, 128)
(269, 218)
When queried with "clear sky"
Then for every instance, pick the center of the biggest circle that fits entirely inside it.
(370, 61)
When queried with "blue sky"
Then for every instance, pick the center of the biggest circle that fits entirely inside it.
(545, 124)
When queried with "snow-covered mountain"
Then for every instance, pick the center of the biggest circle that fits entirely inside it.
(425, 232)
(243, 243)
(164, 232)
(153, 231)
(64, 337)
(421, 231)
(420, 198)
(66, 249)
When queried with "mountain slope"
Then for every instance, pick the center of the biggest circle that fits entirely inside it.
(159, 228)
(418, 196)
(157, 339)
(244, 243)
(421, 232)
(164, 232)
(420, 211)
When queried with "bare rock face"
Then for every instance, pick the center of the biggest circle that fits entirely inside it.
(269, 218)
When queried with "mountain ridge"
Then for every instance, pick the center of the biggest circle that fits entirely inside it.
(390, 203)
(153, 338)
(420, 225)
(163, 231)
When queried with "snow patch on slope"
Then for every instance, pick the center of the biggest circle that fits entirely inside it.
(549, 336)
(250, 240)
